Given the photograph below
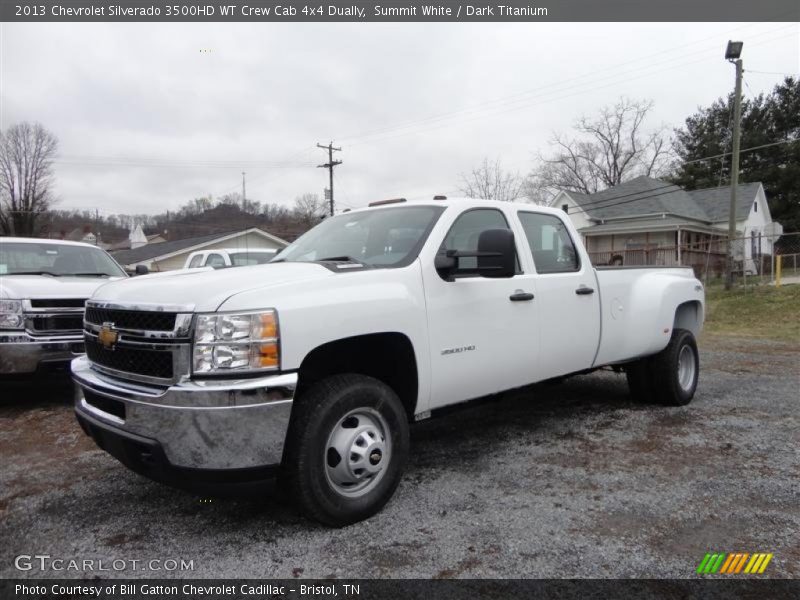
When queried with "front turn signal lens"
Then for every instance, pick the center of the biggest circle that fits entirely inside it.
(267, 355)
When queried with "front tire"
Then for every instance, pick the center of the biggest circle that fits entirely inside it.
(346, 448)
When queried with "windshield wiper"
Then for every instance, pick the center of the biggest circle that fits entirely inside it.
(87, 275)
(34, 273)
(343, 259)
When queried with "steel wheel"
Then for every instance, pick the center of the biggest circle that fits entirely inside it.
(358, 450)
(687, 365)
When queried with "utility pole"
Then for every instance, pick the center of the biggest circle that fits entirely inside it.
(244, 195)
(329, 165)
(733, 53)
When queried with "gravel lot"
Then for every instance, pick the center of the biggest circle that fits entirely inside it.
(571, 480)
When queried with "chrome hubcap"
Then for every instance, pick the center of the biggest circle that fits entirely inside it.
(358, 452)
(686, 368)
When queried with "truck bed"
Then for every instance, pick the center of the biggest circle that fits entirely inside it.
(632, 301)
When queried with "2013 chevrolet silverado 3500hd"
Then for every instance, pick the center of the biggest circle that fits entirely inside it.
(313, 366)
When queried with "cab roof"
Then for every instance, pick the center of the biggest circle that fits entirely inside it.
(454, 201)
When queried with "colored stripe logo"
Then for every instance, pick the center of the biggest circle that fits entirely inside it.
(734, 563)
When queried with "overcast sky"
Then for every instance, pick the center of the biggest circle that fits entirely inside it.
(147, 122)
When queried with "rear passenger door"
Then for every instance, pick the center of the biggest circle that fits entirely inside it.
(567, 298)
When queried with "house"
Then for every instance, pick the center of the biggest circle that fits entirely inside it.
(647, 221)
(169, 255)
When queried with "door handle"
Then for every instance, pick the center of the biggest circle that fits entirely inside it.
(584, 291)
(520, 297)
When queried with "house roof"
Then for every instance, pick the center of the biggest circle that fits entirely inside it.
(716, 201)
(647, 196)
(162, 250)
(645, 224)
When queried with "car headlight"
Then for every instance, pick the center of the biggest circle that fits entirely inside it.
(11, 314)
(225, 342)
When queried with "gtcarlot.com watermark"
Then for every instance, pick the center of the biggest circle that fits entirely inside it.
(46, 562)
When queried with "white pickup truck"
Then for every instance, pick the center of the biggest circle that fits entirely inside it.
(43, 287)
(228, 257)
(312, 367)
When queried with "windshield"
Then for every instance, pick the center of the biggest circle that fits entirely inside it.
(388, 237)
(243, 259)
(56, 259)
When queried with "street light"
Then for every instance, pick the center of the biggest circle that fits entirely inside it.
(732, 54)
(734, 50)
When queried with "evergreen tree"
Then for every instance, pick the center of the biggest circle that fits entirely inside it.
(765, 119)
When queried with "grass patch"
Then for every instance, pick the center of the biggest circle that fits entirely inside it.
(762, 311)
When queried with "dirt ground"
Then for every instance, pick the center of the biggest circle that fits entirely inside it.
(572, 480)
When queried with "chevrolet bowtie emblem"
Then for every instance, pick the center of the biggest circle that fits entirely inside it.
(108, 335)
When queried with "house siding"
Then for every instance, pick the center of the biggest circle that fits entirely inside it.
(575, 212)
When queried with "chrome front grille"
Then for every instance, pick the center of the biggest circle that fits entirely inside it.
(53, 316)
(146, 362)
(145, 343)
(54, 323)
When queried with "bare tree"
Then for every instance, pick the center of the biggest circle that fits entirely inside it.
(309, 208)
(490, 182)
(26, 175)
(607, 150)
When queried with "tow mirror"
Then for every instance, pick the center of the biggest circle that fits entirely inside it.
(496, 256)
(141, 270)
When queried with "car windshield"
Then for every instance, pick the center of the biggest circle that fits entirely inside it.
(242, 259)
(58, 260)
(388, 237)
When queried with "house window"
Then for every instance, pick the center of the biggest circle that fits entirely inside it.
(565, 208)
(755, 206)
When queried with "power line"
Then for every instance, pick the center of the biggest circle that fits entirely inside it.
(516, 105)
(537, 91)
(689, 162)
(772, 73)
(273, 180)
(594, 204)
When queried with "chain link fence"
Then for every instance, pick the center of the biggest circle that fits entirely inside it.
(757, 259)
(763, 260)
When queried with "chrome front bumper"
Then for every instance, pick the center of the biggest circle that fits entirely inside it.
(23, 353)
(214, 425)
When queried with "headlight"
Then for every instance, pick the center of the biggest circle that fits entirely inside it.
(236, 342)
(11, 314)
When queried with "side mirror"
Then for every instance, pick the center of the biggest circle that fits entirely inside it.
(496, 254)
(141, 270)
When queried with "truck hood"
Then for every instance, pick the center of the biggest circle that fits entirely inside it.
(205, 290)
(46, 286)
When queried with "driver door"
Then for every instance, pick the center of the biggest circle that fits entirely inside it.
(483, 332)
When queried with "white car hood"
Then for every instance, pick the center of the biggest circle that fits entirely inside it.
(45, 286)
(205, 290)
